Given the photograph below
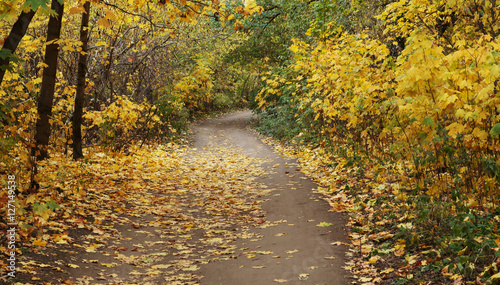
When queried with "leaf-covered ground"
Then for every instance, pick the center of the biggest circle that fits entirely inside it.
(156, 214)
(161, 214)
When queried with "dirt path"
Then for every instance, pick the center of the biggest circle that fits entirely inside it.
(296, 250)
(227, 211)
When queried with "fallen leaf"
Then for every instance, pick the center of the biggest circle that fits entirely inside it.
(161, 266)
(191, 268)
(365, 279)
(39, 242)
(497, 242)
(387, 271)
(495, 276)
(92, 247)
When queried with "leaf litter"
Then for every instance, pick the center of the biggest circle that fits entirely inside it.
(157, 214)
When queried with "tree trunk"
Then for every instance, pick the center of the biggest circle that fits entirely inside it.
(12, 41)
(42, 131)
(80, 86)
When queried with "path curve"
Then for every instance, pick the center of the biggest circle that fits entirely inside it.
(296, 250)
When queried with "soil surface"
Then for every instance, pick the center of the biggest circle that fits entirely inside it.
(302, 252)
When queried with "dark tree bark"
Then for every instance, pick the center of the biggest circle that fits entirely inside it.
(12, 41)
(80, 86)
(45, 101)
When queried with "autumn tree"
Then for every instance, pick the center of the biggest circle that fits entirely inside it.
(81, 83)
(146, 67)
(12, 41)
(45, 100)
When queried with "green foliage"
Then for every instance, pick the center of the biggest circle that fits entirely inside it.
(467, 239)
(172, 113)
(270, 32)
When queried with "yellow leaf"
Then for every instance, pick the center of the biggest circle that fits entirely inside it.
(110, 15)
(387, 271)
(39, 242)
(92, 247)
(73, 265)
(472, 203)
(31, 199)
(191, 268)
(373, 259)
(76, 10)
(30, 86)
(104, 23)
(161, 266)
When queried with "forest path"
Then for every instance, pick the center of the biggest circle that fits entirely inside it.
(294, 249)
(226, 210)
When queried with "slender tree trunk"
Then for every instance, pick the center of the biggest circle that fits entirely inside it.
(45, 101)
(12, 41)
(80, 86)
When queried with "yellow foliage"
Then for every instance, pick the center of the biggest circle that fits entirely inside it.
(195, 88)
(435, 105)
(120, 119)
